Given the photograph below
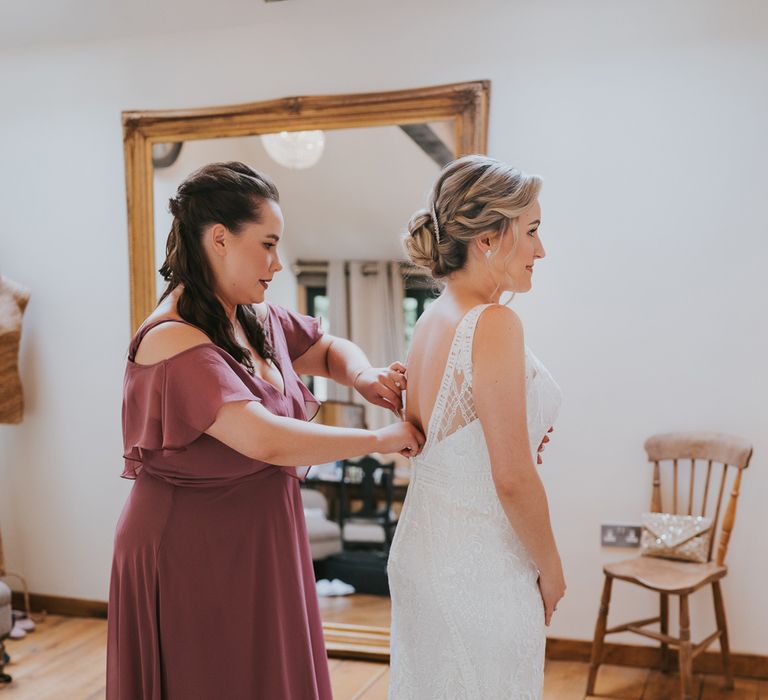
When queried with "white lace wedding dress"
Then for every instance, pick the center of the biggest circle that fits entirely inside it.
(467, 616)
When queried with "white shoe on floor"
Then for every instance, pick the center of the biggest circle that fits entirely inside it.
(17, 632)
(333, 588)
(25, 623)
(338, 587)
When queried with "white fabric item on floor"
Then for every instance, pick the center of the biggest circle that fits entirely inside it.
(326, 588)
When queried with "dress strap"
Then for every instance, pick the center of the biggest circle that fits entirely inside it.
(466, 337)
(143, 330)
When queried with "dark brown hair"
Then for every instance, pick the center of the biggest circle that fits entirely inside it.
(230, 194)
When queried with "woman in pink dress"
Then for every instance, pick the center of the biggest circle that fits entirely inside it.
(212, 593)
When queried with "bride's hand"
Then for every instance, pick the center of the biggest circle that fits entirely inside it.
(552, 588)
(383, 386)
(542, 445)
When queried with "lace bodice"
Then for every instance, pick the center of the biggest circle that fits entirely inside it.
(454, 407)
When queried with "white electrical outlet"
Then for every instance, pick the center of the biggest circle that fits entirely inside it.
(617, 535)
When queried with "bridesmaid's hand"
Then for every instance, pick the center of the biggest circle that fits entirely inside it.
(402, 437)
(383, 386)
(541, 447)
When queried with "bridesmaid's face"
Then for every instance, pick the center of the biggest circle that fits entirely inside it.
(516, 261)
(247, 261)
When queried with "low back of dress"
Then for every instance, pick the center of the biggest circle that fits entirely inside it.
(467, 617)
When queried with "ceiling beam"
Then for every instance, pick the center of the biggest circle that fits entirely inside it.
(428, 141)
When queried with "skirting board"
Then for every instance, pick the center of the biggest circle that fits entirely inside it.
(746, 665)
(352, 641)
(56, 605)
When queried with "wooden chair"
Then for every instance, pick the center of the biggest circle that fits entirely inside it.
(369, 523)
(693, 454)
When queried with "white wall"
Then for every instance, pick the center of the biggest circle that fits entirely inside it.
(648, 122)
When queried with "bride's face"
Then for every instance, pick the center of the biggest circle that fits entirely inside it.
(514, 262)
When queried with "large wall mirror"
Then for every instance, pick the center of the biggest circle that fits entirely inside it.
(350, 170)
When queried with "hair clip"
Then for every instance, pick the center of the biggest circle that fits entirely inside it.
(436, 225)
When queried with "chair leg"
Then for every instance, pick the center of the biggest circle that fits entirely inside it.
(725, 650)
(686, 658)
(597, 644)
(664, 614)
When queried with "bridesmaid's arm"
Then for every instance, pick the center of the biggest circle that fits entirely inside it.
(322, 360)
(344, 362)
(252, 430)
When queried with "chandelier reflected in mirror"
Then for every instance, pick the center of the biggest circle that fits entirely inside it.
(297, 150)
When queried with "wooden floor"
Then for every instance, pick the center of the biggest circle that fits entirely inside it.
(64, 660)
(357, 609)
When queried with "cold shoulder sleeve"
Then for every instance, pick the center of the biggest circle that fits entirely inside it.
(169, 405)
(301, 332)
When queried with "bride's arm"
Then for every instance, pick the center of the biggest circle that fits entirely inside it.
(498, 361)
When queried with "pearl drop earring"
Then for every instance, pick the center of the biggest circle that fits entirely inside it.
(487, 253)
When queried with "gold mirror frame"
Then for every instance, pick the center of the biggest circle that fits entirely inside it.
(466, 104)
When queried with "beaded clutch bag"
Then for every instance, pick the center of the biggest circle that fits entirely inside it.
(684, 537)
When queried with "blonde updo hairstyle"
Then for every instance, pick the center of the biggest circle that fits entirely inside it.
(473, 196)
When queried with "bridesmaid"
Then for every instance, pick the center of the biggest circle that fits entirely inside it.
(212, 592)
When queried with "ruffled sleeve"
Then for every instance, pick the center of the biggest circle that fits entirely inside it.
(169, 405)
(301, 332)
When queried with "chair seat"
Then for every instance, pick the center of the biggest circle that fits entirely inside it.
(357, 531)
(666, 575)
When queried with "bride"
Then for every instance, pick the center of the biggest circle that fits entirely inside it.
(474, 570)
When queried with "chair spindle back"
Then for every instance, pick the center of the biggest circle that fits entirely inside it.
(697, 449)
